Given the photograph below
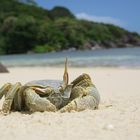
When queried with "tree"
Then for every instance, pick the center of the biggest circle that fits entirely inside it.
(32, 2)
(73, 32)
(60, 12)
(20, 35)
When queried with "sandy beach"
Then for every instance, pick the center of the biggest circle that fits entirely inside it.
(118, 87)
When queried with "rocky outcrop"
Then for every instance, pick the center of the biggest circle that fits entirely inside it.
(3, 69)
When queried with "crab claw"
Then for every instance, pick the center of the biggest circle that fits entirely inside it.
(67, 91)
(80, 104)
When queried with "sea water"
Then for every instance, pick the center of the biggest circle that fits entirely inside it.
(117, 57)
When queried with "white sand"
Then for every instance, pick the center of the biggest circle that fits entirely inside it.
(118, 87)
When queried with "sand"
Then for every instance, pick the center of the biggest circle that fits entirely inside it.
(117, 86)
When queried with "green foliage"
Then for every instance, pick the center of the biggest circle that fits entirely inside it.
(46, 48)
(72, 32)
(20, 34)
(60, 12)
(2, 45)
(26, 27)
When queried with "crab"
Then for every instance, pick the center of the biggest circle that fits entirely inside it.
(51, 95)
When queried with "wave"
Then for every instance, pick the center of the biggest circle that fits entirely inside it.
(125, 57)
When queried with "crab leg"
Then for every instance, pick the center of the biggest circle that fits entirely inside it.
(80, 104)
(10, 97)
(84, 98)
(4, 89)
(36, 103)
(80, 79)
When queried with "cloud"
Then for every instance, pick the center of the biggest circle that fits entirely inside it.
(103, 19)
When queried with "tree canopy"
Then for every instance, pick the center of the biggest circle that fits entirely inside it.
(26, 27)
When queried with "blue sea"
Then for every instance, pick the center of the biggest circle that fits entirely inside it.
(117, 57)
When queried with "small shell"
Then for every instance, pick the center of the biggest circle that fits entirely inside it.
(109, 127)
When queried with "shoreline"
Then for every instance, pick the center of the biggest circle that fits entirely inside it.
(123, 57)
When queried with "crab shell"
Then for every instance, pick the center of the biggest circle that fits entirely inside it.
(57, 97)
(52, 83)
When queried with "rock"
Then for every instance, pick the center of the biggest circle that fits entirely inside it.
(109, 44)
(87, 45)
(129, 45)
(97, 46)
(3, 69)
(130, 39)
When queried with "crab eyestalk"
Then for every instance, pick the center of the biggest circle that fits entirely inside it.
(65, 77)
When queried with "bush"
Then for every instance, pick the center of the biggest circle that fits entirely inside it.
(46, 48)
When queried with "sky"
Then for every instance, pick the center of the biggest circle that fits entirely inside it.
(124, 13)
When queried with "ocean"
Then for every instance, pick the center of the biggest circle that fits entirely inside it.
(116, 57)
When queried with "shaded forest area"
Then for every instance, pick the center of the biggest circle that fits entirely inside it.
(26, 27)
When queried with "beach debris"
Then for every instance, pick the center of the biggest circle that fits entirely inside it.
(109, 127)
(51, 95)
(3, 69)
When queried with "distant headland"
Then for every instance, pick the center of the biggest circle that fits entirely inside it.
(29, 28)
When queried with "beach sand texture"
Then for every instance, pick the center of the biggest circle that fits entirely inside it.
(117, 86)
